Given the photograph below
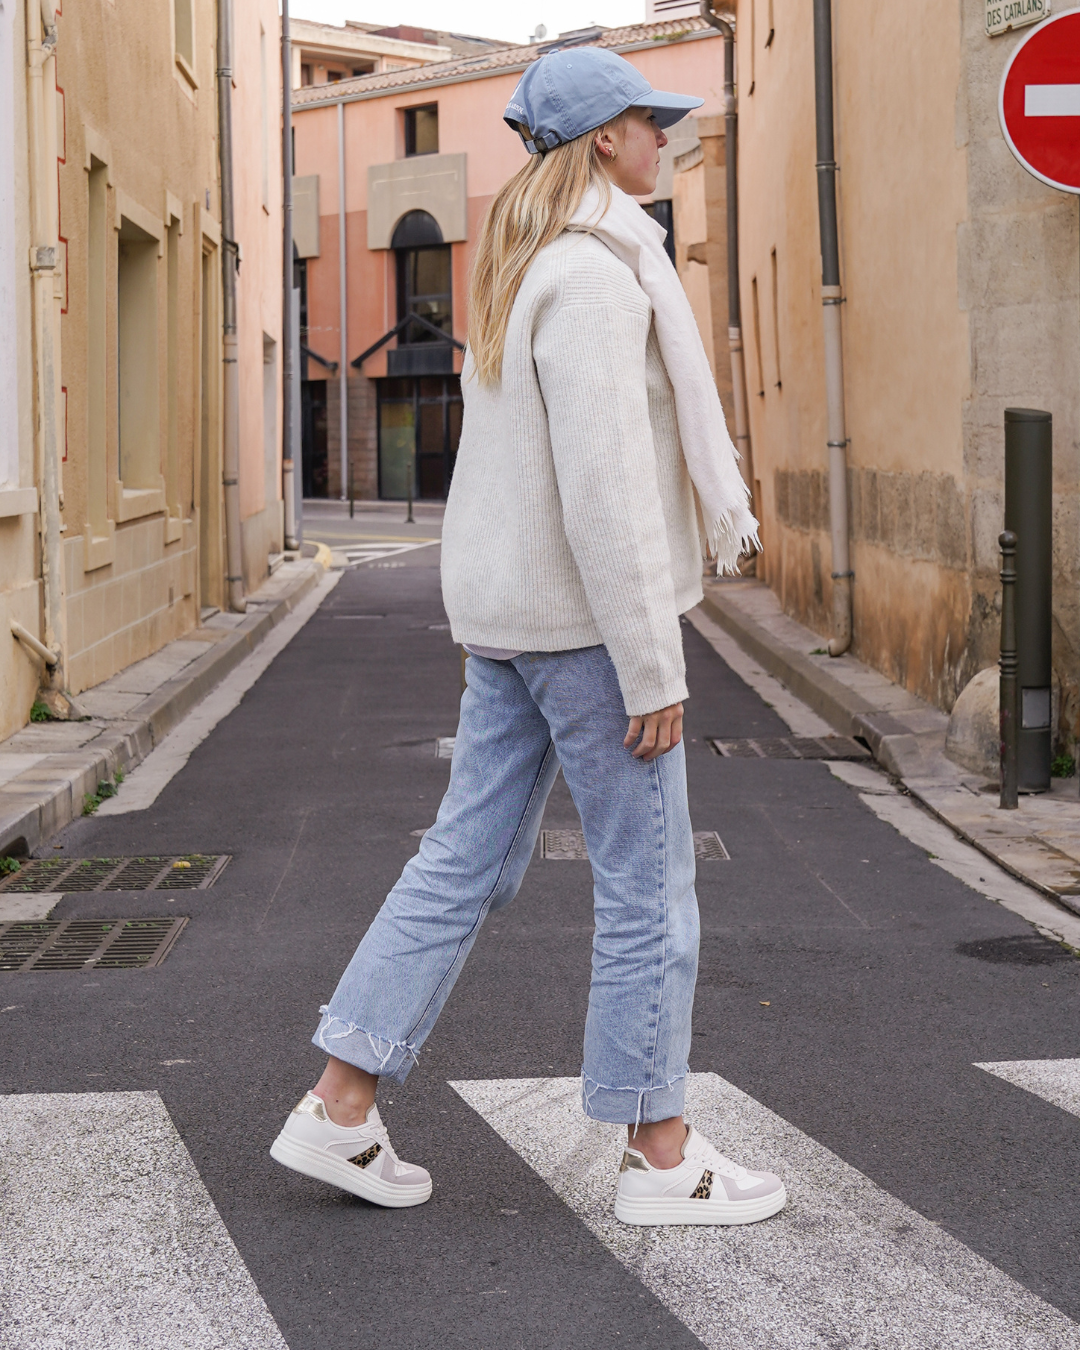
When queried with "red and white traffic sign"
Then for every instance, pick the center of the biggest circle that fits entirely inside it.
(1039, 101)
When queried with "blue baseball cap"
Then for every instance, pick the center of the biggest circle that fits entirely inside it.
(567, 93)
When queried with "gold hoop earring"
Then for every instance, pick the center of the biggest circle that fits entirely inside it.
(612, 155)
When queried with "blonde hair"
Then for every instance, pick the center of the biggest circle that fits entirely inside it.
(529, 211)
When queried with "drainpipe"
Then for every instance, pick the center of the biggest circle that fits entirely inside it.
(343, 305)
(230, 265)
(288, 492)
(831, 299)
(731, 149)
(41, 54)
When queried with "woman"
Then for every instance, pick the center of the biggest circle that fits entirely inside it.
(593, 449)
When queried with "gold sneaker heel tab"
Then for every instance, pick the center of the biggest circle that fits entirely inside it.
(310, 1105)
(633, 1162)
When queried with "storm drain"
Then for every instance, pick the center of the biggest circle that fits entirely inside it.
(88, 944)
(791, 747)
(189, 872)
(569, 846)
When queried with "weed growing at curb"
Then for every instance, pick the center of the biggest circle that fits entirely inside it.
(1063, 766)
(41, 712)
(8, 865)
(105, 790)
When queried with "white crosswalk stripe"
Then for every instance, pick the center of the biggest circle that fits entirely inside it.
(1055, 1080)
(358, 554)
(108, 1237)
(845, 1264)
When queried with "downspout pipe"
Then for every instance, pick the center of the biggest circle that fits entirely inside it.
(230, 265)
(41, 56)
(288, 337)
(731, 170)
(831, 300)
(343, 306)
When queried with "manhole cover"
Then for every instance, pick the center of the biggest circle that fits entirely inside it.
(1028, 949)
(791, 747)
(569, 846)
(189, 872)
(88, 944)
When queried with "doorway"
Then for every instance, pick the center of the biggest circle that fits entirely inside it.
(419, 431)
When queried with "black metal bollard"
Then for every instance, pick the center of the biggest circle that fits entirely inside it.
(352, 489)
(1009, 687)
(1029, 488)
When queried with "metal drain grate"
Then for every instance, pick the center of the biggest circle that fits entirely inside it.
(65, 876)
(569, 846)
(88, 944)
(792, 747)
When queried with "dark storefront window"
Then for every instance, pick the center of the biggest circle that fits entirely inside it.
(662, 213)
(419, 430)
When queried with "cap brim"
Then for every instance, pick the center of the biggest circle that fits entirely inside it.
(667, 108)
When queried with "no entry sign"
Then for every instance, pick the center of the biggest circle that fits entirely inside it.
(1039, 102)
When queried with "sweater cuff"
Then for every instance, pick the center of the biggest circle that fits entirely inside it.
(645, 697)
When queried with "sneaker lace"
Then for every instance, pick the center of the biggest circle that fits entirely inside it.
(700, 1150)
(378, 1130)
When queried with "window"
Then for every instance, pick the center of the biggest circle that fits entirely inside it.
(365, 69)
(172, 344)
(305, 75)
(424, 289)
(422, 130)
(264, 108)
(757, 335)
(137, 357)
(333, 76)
(776, 320)
(97, 272)
(184, 35)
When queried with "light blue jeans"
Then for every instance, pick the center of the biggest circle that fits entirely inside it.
(521, 719)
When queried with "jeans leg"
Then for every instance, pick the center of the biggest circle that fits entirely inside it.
(472, 860)
(636, 820)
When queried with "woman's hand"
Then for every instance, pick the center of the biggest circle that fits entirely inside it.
(656, 733)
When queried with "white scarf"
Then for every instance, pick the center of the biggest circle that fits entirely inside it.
(637, 240)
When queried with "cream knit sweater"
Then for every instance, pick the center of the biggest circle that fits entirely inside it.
(571, 519)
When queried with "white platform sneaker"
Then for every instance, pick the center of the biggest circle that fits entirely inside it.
(705, 1188)
(359, 1159)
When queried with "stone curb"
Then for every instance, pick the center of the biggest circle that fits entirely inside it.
(42, 800)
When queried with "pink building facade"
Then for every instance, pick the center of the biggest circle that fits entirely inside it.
(394, 175)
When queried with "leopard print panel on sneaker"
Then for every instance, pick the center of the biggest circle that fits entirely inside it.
(370, 1154)
(704, 1187)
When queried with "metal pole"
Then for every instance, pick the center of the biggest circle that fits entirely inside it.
(1007, 663)
(343, 302)
(288, 457)
(230, 261)
(832, 299)
(731, 171)
(1029, 505)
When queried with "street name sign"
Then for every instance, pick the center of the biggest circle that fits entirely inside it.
(1001, 15)
(1039, 102)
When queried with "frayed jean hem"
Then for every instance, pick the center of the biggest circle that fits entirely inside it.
(365, 1049)
(632, 1106)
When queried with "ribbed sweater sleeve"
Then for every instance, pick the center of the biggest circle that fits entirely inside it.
(590, 362)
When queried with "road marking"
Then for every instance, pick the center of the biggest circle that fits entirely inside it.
(955, 856)
(142, 787)
(109, 1237)
(1055, 1080)
(1052, 100)
(365, 553)
(845, 1264)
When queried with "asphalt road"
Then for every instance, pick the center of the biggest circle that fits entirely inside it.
(876, 1009)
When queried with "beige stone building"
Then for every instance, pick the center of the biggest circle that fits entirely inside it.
(111, 368)
(960, 288)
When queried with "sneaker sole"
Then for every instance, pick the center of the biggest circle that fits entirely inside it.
(726, 1213)
(312, 1162)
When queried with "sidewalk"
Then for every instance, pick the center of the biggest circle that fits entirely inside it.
(1039, 843)
(48, 768)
